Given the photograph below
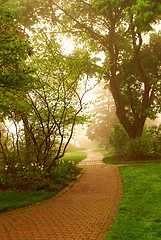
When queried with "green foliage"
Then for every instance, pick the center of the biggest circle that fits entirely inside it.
(110, 157)
(15, 72)
(139, 213)
(146, 147)
(34, 177)
(138, 148)
(145, 12)
(155, 140)
(44, 117)
(29, 12)
(118, 139)
(115, 27)
(132, 84)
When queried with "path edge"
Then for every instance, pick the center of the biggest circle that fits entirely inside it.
(112, 215)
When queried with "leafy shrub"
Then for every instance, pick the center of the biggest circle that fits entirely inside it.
(155, 140)
(35, 177)
(118, 139)
(148, 146)
(137, 148)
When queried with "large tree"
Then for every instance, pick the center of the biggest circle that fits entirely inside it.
(117, 29)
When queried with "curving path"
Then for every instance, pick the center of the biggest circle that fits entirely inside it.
(84, 211)
(93, 159)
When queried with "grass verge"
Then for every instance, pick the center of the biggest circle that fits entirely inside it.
(139, 215)
(74, 156)
(109, 158)
(13, 199)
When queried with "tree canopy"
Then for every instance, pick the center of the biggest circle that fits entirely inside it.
(44, 116)
(15, 72)
(117, 28)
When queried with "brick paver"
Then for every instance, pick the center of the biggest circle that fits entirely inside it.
(85, 211)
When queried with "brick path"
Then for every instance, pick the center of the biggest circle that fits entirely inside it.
(84, 211)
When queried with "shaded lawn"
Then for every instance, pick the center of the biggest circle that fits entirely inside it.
(139, 215)
(13, 199)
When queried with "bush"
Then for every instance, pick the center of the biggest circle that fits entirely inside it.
(148, 146)
(136, 149)
(155, 140)
(35, 177)
(118, 139)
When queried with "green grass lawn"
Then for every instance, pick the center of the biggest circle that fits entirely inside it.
(139, 215)
(108, 158)
(15, 199)
(74, 156)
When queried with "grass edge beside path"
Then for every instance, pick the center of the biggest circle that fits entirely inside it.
(13, 199)
(75, 156)
(109, 158)
(139, 214)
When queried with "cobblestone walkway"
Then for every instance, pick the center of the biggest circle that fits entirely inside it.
(84, 211)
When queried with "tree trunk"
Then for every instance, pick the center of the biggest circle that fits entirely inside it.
(28, 142)
(133, 130)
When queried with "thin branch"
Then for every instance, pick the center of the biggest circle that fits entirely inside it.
(87, 29)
